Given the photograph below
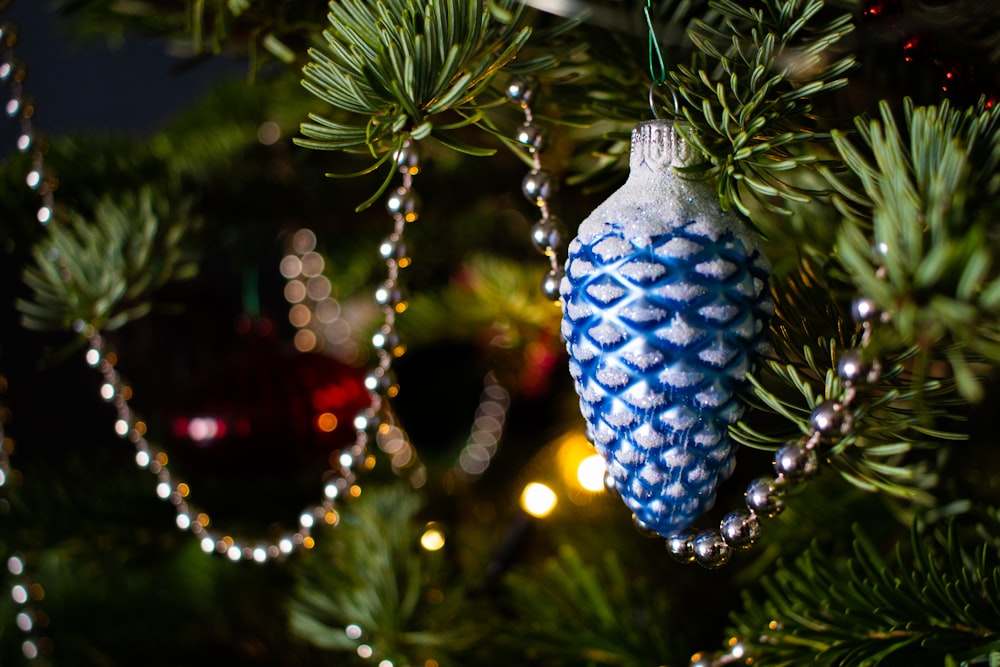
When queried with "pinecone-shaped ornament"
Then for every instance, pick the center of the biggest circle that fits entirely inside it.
(665, 305)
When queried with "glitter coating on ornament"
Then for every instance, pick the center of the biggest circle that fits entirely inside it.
(665, 306)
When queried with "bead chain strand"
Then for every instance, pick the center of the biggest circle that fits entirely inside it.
(377, 423)
(795, 461)
(25, 592)
(338, 482)
(538, 184)
(21, 109)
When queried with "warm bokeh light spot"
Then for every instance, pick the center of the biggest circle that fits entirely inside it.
(326, 422)
(538, 500)
(433, 538)
(590, 473)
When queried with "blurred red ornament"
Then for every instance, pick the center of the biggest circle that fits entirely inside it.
(268, 408)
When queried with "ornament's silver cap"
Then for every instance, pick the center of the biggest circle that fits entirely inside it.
(657, 145)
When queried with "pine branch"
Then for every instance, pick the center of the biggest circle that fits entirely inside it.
(373, 574)
(749, 97)
(390, 68)
(897, 420)
(935, 603)
(933, 188)
(574, 613)
(103, 272)
(264, 31)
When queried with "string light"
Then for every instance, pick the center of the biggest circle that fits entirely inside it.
(538, 500)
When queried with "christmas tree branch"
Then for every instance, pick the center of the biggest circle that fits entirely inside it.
(897, 420)
(575, 613)
(749, 96)
(372, 584)
(103, 272)
(933, 190)
(936, 602)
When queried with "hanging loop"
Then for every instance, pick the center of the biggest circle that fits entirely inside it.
(652, 102)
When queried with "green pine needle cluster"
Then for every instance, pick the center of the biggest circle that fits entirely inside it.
(393, 67)
(102, 271)
(936, 602)
(932, 183)
(580, 614)
(900, 420)
(750, 96)
(372, 573)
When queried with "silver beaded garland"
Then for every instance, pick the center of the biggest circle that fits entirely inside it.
(795, 462)
(681, 546)
(710, 549)
(24, 591)
(832, 420)
(740, 529)
(763, 498)
(539, 184)
(865, 310)
(853, 369)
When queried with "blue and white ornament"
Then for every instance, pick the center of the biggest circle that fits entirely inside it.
(665, 305)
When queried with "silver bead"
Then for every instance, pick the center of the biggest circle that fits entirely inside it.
(532, 135)
(609, 483)
(538, 185)
(521, 90)
(795, 463)
(865, 310)
(681, 547)
(404, 202)
(367, 421)
(547, 234)
(738, 650)
(831, 420)
(854, 369)
(392, 248)
(550, 284)
(763, 498)
(740, 529)
(388, 294)
(710, 550)
(407, 158)
(880, 251)
(381, 382)
(385, 339)
(643, 528)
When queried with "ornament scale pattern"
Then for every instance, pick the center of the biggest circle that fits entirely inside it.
(665, 305)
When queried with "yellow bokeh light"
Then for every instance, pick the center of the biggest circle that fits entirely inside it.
(432, 539)
(538, 500)
(308, 542)
(590, 473)
(183, 490)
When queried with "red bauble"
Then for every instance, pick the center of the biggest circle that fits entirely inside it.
(267, 409)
